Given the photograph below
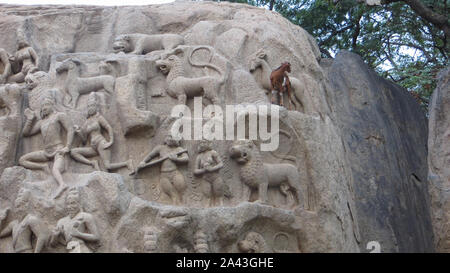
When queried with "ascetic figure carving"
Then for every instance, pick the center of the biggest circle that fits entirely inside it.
(77, 228)
(171, 180)
(92, 130)
(26, 59)
(182, 88)
(208, 164)
(258, 175)
(25, 227)
(76, 86)
(50, 126)
(143, 43)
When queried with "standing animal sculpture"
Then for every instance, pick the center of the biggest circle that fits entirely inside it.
(258, 175)
(182, 88)
(142, 43)
(298, 87)
(76, 86)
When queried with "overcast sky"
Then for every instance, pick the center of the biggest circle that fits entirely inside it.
(86, 2)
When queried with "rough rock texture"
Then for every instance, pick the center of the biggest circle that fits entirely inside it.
(359, 153)
(439, 161)
(384, 134)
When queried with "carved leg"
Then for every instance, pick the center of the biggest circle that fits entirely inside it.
(109, 86)
(262, 191)
(29, 161)
(75, 96)
(58, 169)
(180, 186)
(80, 154)
(218, 191)
(182, 99)
(105, 155)
(167, 187)
(246, 193)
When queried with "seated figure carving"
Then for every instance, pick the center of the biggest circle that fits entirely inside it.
(92, 130)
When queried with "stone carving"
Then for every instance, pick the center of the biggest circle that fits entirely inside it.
(201, 242)
(92, 130)
(25, 226)
(25, 60)
(143, 43)
(253, 242)
(170, 154)
(182, 88)
(50, 126)
(151, 239)
(76, 229)
(208, 164)
(10, 95)
(258, 175)
(5, 66)
(75, 86)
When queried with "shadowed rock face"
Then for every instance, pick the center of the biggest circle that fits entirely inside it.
(384, 133)
(439, 161)
(357, 141)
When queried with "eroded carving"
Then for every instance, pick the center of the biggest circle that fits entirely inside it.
(182, 88)
(50, 125)
(5, 66)
(253, 242)
(171, 180)
(143, 43)
(207, 164)
(258, 175)
(75, 86)
(24, 61)
(91, 131)
(78, 228)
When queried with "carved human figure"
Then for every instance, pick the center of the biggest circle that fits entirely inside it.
(51, 125)
(77, 228)
(92, 130)
(208, 164)
(171, 180)
(5, 66)
(25, 226)
(26, 58)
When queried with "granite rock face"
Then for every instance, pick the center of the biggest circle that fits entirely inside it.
(384, 134)
(439, 161)
(88, 98)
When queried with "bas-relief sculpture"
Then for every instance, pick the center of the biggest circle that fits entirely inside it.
(88, 118)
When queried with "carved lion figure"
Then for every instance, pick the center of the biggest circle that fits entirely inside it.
(143, 43)
(258, 175)
(253, 243)
(181, 87)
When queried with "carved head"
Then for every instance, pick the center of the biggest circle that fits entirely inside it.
(166, 64)
(204, 145)
(252, 243)
(241, 151)
(47, 107)
(22, 43)
(170, 141)
(92, 105)
(68, 64)
(34, 79)
(256, 60)
(73, 205)
(122, 43)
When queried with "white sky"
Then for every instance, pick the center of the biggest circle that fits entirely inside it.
(86, 2)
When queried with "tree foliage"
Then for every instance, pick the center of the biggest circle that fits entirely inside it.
(405, 41)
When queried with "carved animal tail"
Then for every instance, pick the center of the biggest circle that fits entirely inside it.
(208, 64)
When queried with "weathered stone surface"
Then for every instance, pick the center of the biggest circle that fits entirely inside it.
(384, 135)
(439, 161)
(353, 140)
